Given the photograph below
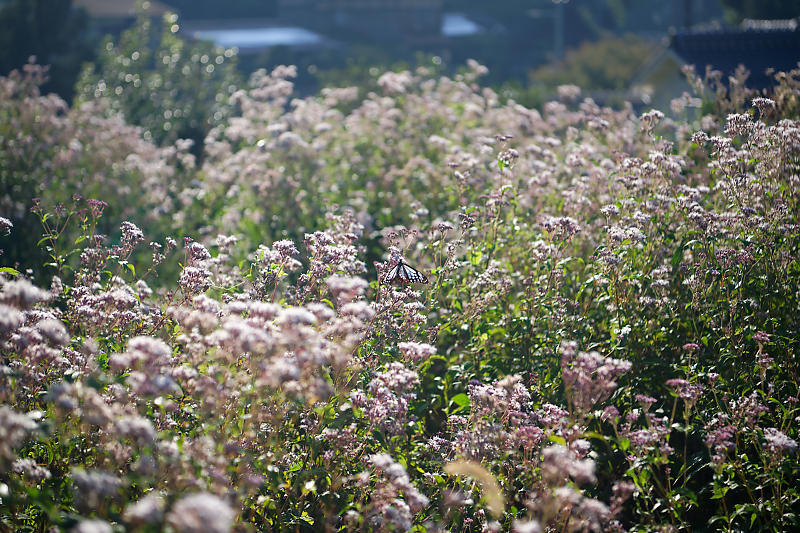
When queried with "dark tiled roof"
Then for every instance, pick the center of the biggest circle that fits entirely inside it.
(771, 46)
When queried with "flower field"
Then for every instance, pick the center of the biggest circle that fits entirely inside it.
(196, 336)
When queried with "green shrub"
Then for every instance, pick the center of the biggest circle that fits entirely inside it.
(608, 339)
(172, 88)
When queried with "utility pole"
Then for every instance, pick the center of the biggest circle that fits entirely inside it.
(558, 29)
(687, 14)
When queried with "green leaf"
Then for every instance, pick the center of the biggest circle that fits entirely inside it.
(719, 492)
(461, 400)
(10, 271)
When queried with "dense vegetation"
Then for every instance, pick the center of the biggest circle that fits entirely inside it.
(49, 30)
(609, 338)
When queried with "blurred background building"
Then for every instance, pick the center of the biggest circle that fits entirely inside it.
(759, 45)
(379, 20)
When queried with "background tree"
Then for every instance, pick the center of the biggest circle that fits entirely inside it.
(608, 64)
(172, 87)
(52, 31)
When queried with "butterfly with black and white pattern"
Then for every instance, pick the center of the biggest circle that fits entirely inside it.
(404, 274)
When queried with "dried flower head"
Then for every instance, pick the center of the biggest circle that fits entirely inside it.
(201, 513)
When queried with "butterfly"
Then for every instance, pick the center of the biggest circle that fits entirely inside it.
(404, 274)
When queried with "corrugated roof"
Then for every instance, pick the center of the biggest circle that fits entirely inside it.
(770, 25)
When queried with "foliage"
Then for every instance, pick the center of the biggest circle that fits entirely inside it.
(173, 88)
(52, 32)
(608, 64)
(51, 152)
(608, 340)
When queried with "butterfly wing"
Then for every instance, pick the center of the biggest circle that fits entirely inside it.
(404, 274)
(393, 274)
(409, 274)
